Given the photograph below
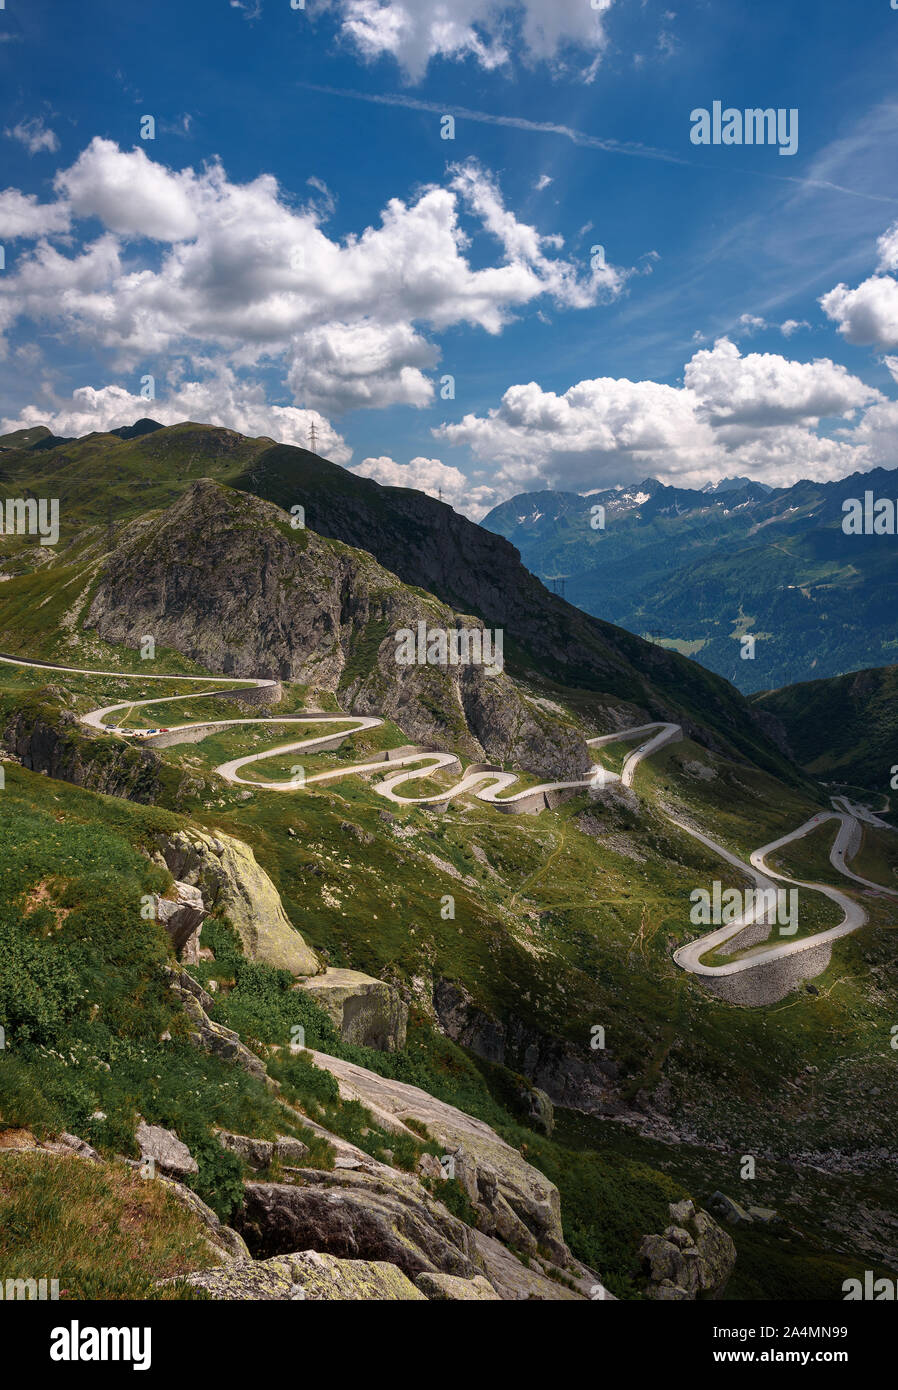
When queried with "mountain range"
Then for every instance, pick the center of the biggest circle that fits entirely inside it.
(698, 571)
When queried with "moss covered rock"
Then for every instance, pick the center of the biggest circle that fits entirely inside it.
(364, 1011)
(235, 886)
(306, 1275)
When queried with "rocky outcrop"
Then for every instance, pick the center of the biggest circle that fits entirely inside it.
(204, 1032)
(235, 886)
(306, 1275)
(511, 1278)
(364, 1229)
(225, 1243)
(442, 1287)
(220, 577)
(364, 1011)
(80, 1146)
(540, 1110)
(693, 1258)
(517, 1282)
(726, 1209)
(181, 916)
(164, 1150)
(45, 737)
(261, 1153)
(579, 1079)
(358, 1215)
(514, 1200)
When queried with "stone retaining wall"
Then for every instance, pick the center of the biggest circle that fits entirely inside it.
(773, 980)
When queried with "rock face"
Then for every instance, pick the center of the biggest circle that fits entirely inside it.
(393, 1209)
(540, 1110)
(304, 1275)
(726, 1209)
(364, 1011)
(181, 916)
(514, 1200)
(440, 1287)
(165, 1149)
(47, 738)
(580, 1080)
(357, 1215)
(260, 1153)
(204, 1032)
(693, 1258)
(235, 886)
(221, 577)
(224, 1241)
(517, 1282)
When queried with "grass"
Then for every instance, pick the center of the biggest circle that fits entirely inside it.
(84, 1004)
(842, 728)
(877, 858)
(101, 1230)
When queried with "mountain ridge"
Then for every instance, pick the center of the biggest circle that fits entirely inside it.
(417, 538)
(699, 571)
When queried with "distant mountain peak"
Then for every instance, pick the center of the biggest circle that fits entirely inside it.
(144, 426)
(735, 485)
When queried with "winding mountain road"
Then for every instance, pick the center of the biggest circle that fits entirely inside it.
(487, 782)
(854, 916)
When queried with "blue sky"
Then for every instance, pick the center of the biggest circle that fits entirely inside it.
(299, 244)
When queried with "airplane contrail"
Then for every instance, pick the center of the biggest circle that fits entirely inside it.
(579, 137)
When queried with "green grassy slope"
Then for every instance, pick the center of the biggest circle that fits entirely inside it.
(844, 729)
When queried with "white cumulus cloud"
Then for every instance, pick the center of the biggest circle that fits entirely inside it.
(767, 389)
(435, 478)
(21, 215)
(241, 271)
(755, 414)
(485, 31)
(131, 194)
(868, 314)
